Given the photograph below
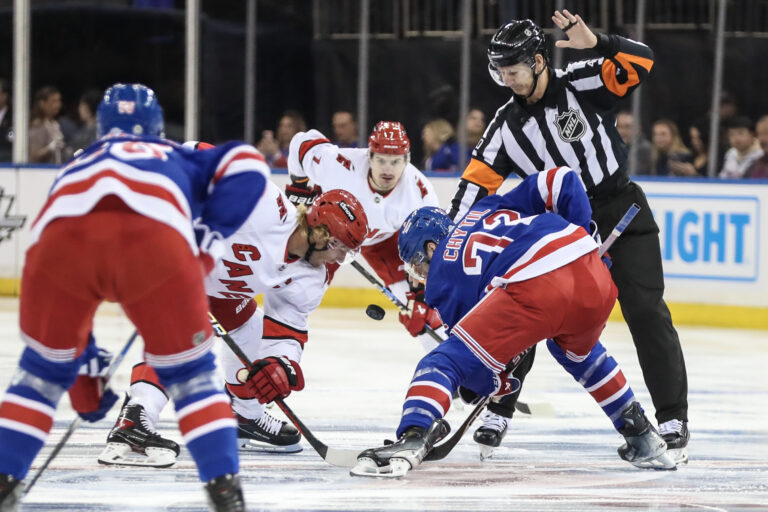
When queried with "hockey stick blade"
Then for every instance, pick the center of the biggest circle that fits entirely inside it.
(344, 458)
(333, 456)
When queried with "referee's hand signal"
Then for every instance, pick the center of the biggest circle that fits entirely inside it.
(578, 33)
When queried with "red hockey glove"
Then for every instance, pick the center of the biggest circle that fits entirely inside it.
(87, 394)
(419, 315)
(300, 193)
(274, 377)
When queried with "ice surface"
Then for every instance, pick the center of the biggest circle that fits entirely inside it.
(357, 371)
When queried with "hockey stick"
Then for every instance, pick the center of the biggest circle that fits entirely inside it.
(619, 229)
(542, 409)
(345, 458)
(442, 450)
(391, 296)
(76, 422)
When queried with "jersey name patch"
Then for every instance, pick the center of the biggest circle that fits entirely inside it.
(570, 126)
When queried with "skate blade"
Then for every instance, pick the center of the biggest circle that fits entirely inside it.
(679, 455)
(486, 452)
(120, 454)
(251, 445)
(664, 462)
(366, 467)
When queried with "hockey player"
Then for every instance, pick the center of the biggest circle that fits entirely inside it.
(516, 269)
(118, 225)
(388, 186)
(567, 117)
(280, 251)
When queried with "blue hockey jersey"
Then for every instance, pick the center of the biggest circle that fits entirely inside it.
(215, 189)
(539, 226)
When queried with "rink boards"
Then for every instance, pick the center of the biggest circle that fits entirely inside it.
(712, 234)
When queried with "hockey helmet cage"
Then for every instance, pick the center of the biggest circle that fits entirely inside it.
(427, 224)
(516, 41)
(130, 108)
(389, 137)
(342, 214)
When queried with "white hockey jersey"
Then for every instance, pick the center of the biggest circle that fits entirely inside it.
(312, 155)
(256, 262)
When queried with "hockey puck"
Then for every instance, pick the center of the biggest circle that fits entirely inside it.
(374, 311)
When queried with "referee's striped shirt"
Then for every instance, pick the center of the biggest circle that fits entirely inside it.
(573, 125)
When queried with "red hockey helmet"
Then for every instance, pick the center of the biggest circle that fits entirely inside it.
(389, 137)
(343, 214)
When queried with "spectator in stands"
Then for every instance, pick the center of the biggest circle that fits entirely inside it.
(698, 133)
(441, 149)
(6, 122)
(667, 145)
(475, 129)
(759, 169)
(344, 129)
(744, 151)
(86, 109)
(46, 142)
(276, 149)
(632, 136)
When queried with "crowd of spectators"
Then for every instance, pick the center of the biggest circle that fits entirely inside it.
(742, 152)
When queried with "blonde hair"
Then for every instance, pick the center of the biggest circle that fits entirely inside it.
(677, 146)
(321, 231)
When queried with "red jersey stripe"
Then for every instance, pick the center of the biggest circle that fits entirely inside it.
(277, 330)
(137, 186)
(548, 249)
(244, 155)
(307, 145)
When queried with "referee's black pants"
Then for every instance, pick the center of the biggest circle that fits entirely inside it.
(638, 274)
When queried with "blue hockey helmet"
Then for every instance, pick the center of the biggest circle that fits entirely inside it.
(130, 108)
(427, 224)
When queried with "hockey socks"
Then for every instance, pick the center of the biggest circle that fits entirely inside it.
(437, 376)
(27, 409)
(205, 417)
(601, 376)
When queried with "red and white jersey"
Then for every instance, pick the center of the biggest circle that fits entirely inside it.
(256, 262)
(312, 155)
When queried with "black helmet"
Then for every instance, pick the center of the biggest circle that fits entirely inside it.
(516, 41)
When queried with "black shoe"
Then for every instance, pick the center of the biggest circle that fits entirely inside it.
(267, 433)
(396, 459)
(644, 447)
(676, 435)
(10, 493)
(134, 434)
(224, 494)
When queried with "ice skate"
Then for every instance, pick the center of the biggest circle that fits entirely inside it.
(134, 442)
(10, 493)
(644, 447)
(267, 434)
(675, 433)
(490, 434)
(396, 459)
(225, 494)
